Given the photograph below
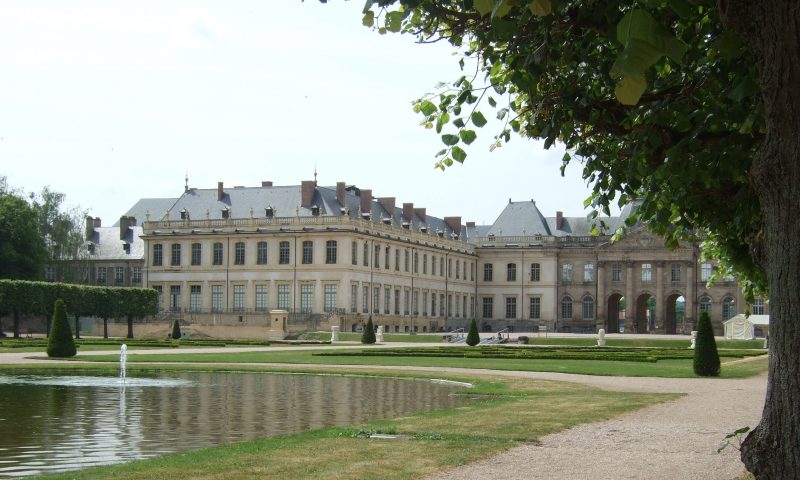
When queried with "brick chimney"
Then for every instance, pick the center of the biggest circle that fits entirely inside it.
(559, 220)
(420, 212)
(388, 204)
(307, 193)
(220, 191)
(124, 223)
(408, 212)
(266, 183)
(341, 194)
(366, 200)
(454, 223)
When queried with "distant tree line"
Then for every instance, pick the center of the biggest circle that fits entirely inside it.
(21, 297)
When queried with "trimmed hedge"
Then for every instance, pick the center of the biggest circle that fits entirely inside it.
(176, 330)
(60, 343)
(473, 338)
(706, 357)
(368, 335)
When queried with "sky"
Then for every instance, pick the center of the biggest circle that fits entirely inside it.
(110, 101)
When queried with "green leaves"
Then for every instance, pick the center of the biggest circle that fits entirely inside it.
(483, 6)
(449, 139)
(540, 8)
(467, 136)
(645, 42)
(478, 119)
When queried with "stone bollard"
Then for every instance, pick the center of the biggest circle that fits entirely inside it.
(694, 339)
(601, 338)
(379, 334)
(334, 333)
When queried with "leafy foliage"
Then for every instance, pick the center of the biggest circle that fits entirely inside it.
(473, 338)
(649, 96)
(706, 357)
(368, 335)
(22, 250)
(60, 343)
(62, 232)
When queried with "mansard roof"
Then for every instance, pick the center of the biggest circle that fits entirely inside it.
(155, 206)
(519, 219)
(108, 245)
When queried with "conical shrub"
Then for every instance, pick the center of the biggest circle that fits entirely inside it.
(368, 335)
(706, 357)
(176, 330)
(473, 338)
(60, 343)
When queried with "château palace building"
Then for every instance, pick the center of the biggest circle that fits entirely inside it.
(338, 255)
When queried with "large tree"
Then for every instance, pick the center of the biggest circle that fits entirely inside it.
(22, 251)
(689, 106)
(62, 230)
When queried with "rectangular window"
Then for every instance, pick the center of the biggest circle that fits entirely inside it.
(705, 272)
(119, 275)
(441, 304)
(415, 261)
(175, 260)
(449, 306)
(353, 298)
(217, 253)
(536, 308)
(101, 275)
(283, 253)
(441, 266)
(365, 299)
(308, 252)
(616, 272)
(449, 268)
(424, 303)
(387, 297)
(197, 251)
(511, 272)
(397, 301)
(415, 302)
(472, 272)
(676, 272)
(50, 274)
(158, 255)
(566, 308)
(535, 272)
(238, 298)
(488, 307)
(330, 252)
(758, 306)
(365, 254)
(175, 298)
(458, 269)
(376, 294)
(406, 307)
(566, 273)
(261, 253)
(377, 261)
(354, 253)
(433, 304)
(194, 298)
(136, 275)
(330, 298)
(511, 308)
(433, 265)
(306, 298)
(425, 264)
(283, 296)
(262, 298)
(160, 290)
(405, 262)
(396, 260)
(647, 272)
(386, 257)
(216, 298)
(238, 257)
(588, 272)
(487, 272)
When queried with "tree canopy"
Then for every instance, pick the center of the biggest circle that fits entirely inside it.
(22, 250)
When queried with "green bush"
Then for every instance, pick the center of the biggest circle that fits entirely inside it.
(472, 337)
(176, 330)
(368, 335)
(706, 357)
(60, 343)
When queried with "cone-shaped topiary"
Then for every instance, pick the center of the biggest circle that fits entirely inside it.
(60, 343)
(472, 337)
(706, 357)
(368, 335)
(176, 330)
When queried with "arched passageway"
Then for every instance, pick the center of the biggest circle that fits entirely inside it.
(675, 310)
(616, 313)
(645, 314)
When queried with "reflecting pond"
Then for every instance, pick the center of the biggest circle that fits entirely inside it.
(62, 423)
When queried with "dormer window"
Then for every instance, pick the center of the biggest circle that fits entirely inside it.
(226, 212)
(315, 210)
(127, 247)
(387, 220)
(365, 215)
(184, 214)
(90, 247)
(491, 237)
(406, 225)
(439, 233)
(270, 212)
(423, 229)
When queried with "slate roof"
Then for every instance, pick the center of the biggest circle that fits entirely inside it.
(109, 246)
(156, 207)
(519, 219)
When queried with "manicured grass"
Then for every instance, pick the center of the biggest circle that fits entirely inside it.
(678, 342)
(83, 344)
(510, 412)
(663, 368)
(387, 337)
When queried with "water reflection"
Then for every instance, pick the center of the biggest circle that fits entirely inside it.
(54, 426)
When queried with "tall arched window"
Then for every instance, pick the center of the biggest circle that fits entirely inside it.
(758, 306)
(566, 308)
(588, 308)
(705, 304)
(728, 308)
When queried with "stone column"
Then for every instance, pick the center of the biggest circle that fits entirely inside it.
(601, 296)
(691, 281)
(661, 303)
(630, 302)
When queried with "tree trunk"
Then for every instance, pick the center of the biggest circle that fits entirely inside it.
(130, 326)
(105, 328)
(772, 30)
(77, 326)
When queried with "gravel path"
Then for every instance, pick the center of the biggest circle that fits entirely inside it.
(673, 440)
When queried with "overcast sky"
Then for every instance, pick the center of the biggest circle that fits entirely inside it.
(112, 101)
